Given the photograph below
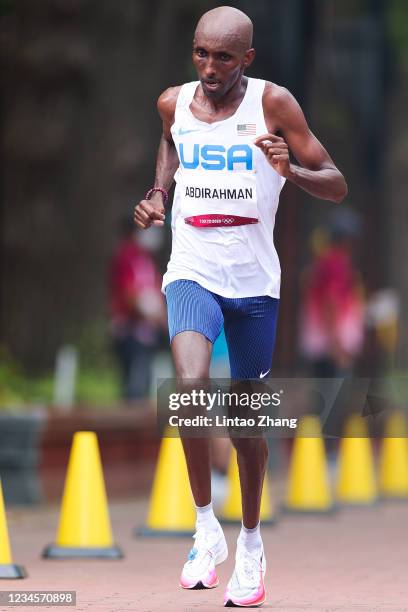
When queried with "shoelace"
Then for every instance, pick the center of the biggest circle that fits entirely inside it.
(248, 569)
(201, 545)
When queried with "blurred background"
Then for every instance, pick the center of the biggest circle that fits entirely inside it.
(80, 130)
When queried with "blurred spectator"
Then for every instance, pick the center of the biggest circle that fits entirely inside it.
(220, 366)
(137, 310)
(383, 317)
(332, 312)
(221, 447)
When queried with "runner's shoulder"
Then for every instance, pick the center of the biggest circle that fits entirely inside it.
(166, 103)
(277, 97)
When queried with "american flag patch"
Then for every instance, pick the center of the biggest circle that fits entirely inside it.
(244, 129)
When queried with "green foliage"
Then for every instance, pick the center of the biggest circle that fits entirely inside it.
(11, 382)
(397, 17)
(93, 346)
(96, 386)
(6, 7)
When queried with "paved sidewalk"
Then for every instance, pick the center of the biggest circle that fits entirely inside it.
(355, 560)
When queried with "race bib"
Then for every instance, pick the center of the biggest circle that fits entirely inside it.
(232, 193)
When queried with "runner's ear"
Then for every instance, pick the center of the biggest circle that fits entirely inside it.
(249, 57)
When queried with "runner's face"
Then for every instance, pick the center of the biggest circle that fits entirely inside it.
(219, 65)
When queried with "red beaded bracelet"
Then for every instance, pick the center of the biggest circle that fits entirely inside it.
(154, 190)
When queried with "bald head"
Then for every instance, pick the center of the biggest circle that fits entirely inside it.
(226, 25)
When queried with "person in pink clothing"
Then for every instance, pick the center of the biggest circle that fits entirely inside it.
(332, 315)
(137, 311)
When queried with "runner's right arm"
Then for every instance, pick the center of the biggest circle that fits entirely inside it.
(151, 212)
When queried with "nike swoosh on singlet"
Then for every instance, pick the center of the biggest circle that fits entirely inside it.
(262, 374)
(181, 132)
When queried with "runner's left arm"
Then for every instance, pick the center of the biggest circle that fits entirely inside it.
(316, 172)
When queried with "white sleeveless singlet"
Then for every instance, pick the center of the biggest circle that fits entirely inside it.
(221, 171)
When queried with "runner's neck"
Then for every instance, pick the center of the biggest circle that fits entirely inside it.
(208, 110)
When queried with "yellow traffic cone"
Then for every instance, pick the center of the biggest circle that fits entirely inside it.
(393, 470)
(231, 511)
(356, 483)
(84, 526)
(308, 489)
(171, 507)
(8, 569)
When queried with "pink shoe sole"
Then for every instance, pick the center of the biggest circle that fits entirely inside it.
(256, 602)
(210, 583)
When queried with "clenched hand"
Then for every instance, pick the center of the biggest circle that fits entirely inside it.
(276, 151)
(149, 212)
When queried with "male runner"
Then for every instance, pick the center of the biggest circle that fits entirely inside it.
(226, 141)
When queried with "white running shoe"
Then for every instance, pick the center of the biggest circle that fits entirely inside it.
(246, 587)
(210, 549)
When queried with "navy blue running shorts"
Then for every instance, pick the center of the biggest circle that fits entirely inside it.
(249, 324)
